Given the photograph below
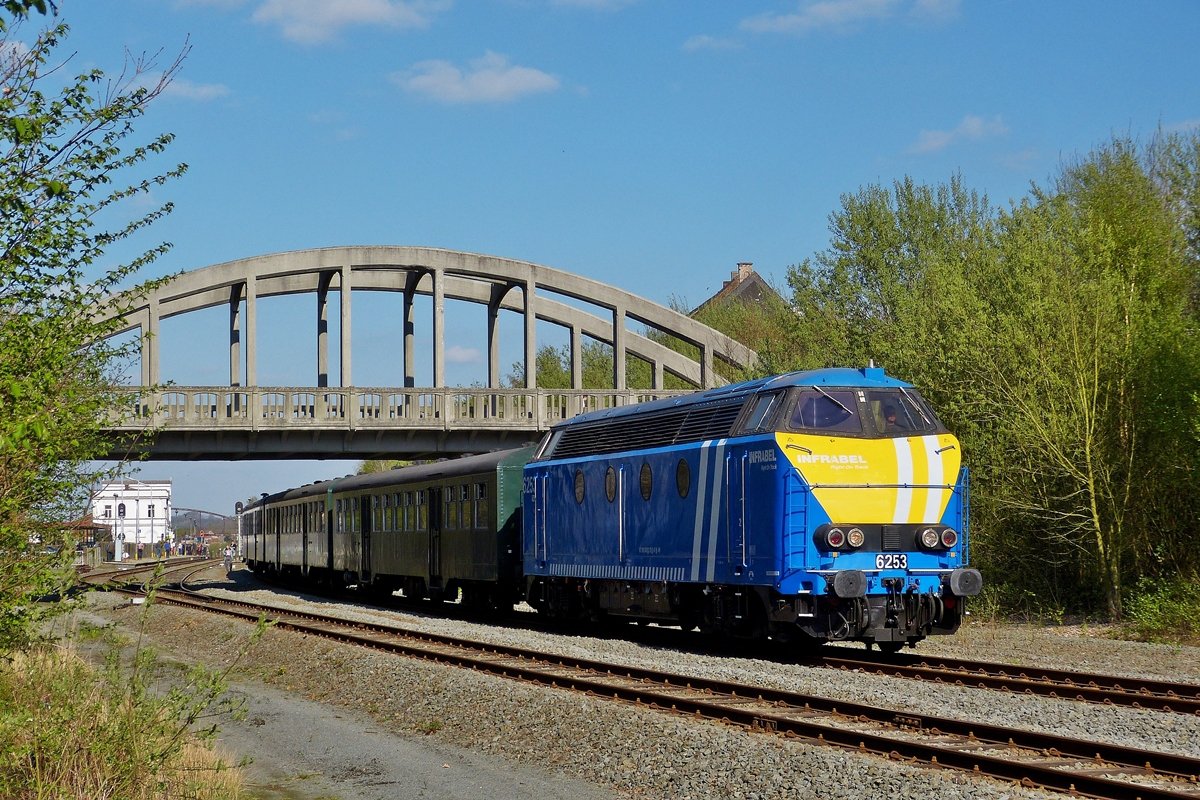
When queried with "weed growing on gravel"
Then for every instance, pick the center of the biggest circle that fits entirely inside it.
(430, 726)
(1166, 611)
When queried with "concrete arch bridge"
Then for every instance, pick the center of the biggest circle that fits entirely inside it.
(245, 420)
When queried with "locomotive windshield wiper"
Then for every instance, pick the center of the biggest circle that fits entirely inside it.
(921, 411)
(834, 399)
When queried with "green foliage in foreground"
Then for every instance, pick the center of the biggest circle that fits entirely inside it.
(61, 154)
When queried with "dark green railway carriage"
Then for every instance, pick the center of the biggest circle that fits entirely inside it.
(430, 529)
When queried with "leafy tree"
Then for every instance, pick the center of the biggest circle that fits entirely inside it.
(61, 155)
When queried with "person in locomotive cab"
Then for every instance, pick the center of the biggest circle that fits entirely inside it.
(890, 419)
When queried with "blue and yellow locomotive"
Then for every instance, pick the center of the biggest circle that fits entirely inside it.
(812, 506)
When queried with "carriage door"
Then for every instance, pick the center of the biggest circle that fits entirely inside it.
(278, 522)
(368, 505)
(328, 515)
(305, 524)
(435, 536)
(735, 510)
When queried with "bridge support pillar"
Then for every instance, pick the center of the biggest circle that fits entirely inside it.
(619, 349)
(576, 357)
(706, 367)
(410, 329)
(235, 335)
(439, 328)
(323, 282)
(346, 289)
(251, 332)
(499, 291)
(659, 375)
(530, 289)
(150, 344)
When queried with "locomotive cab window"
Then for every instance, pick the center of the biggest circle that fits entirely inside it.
(900, 412)
(819, 409)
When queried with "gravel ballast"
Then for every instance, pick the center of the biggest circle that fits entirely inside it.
(1153, 730)
(636, 752)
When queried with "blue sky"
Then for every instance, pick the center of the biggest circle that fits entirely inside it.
(646, 143)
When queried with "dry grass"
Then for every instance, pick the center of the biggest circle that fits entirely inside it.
(70, 732)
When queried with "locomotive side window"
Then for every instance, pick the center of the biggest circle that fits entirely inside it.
(763, 413)
(826, 410)
(646, 481)
(683, 478)
(610, 484)
(580, 487)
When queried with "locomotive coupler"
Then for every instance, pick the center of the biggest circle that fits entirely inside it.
(894, 601)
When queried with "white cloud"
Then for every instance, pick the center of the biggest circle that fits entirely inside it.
(312, 21)
(458, 354)
(971, 127)
(1020, 161)
(706, 42)
(847, 14)
(936, 9)
(491, 79)
(598, 5)
(821, 14)
(183, 88)
(1180, 127)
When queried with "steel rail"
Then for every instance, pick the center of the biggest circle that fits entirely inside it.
(1111, 690)
(1141, 693)
(1032, 759)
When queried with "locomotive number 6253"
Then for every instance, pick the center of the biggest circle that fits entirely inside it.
(891, 561)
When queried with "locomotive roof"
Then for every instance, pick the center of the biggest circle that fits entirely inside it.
(449, 468)
(868, 377)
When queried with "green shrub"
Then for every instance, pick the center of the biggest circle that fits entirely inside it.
(1166, 610)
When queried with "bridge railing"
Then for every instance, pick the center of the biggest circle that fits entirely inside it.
(350, 408)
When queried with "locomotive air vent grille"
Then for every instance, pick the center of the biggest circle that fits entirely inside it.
(891, 537)
(642, 431)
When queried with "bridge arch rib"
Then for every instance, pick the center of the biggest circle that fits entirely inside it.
(246, 420)
(442, 274)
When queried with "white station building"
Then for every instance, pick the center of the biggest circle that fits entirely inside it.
(139, 512)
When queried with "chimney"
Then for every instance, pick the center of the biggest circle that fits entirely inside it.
(743, 271)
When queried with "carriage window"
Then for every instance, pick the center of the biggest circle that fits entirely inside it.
(339, 519)
(481, 505)
(826, 410)
(422, 512)
(449, 502)
(355, 518)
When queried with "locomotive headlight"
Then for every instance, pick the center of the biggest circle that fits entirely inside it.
(949, 537)
(929, 538)
(855, 537)
(835, 538)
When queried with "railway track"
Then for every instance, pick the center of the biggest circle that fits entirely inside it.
(125, 575)
(1062, 684)
(1139, 693)
(1080, 767)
